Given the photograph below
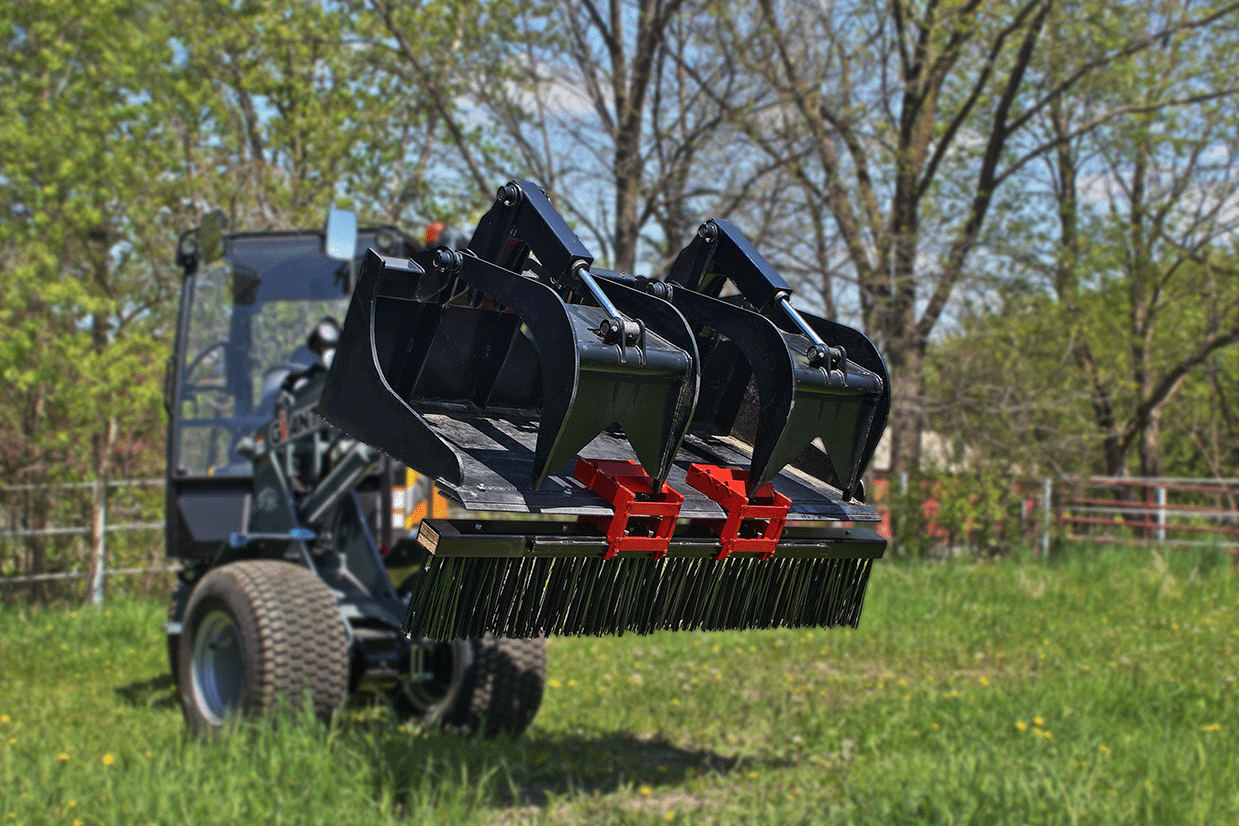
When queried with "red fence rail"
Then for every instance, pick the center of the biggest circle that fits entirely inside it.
(1175, 512)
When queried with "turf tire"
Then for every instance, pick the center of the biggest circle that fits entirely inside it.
(500, 686)
(260, 635)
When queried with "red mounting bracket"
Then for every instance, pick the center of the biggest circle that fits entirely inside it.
(768, 509)
(631, 492)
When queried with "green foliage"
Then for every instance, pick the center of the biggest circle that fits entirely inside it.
(1014, 386)
(976, 512)
(122, 122)
(84, 238)
(1095, 688)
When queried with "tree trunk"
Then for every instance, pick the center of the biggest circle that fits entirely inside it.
(906, 363)
(37, 545)
(1150, 446)
(627, 197)
(105, 442)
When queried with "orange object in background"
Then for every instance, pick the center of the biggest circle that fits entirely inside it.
(415, 500)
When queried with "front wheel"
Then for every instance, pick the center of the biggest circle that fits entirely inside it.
(258, 635)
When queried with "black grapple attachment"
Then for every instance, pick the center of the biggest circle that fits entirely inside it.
(807, 391)
(526, 382)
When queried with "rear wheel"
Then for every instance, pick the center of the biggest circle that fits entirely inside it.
(258, 635)
(488, 686)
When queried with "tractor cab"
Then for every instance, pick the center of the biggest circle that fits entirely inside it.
(248, 303)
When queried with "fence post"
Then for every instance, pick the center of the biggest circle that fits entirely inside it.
(100, 549)
(1161, 513)
(1046, 492)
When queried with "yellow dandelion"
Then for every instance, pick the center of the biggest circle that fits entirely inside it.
(149, 753)
(1037, 721)
(72, 804)
(1021, 725)
(4, 718)
(108, 759)
(1212, 727)
(78, 822)
(645, 790)
(62, 757)
(1103, 749)
(983, 680)
(554, 683)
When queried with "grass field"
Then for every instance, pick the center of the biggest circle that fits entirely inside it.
(1098, 688)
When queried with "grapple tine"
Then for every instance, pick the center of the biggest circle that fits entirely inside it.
(374, 351)
(808, 387)
(860, 351)
(763, 356)
(668, 323)
(588, 385)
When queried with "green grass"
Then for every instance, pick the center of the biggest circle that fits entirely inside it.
(1099, 688)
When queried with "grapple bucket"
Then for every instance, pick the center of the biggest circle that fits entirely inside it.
(816, 383)
(526, 382)
(447, 329)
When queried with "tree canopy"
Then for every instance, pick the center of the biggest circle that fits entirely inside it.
(1028, 205)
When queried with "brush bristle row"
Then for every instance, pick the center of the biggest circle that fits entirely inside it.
(462, 597)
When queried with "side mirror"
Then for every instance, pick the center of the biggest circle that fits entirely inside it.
(211, 236)
(341, 240)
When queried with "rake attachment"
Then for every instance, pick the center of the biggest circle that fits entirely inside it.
(525, 380)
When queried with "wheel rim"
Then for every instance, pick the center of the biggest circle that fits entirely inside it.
(218, 666)
(432, 670)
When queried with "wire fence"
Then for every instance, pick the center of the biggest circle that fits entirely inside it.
(65, 541)
(77, 541)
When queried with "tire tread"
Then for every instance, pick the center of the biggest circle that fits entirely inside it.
(288, 616)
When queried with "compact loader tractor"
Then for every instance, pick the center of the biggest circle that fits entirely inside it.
(621, 454)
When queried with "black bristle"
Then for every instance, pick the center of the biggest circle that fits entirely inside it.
(532, 596)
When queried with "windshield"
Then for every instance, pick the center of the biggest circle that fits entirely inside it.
(249, 320)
